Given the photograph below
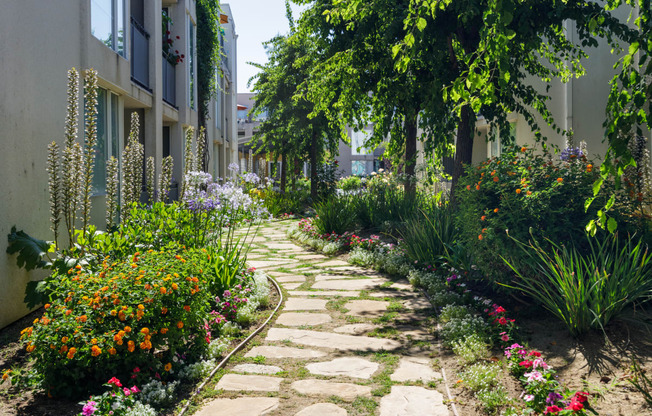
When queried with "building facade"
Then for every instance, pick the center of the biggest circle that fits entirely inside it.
(145, 53)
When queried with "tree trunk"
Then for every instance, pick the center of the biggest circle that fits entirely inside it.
(313, 166)
(463, 147)
(295, 175)
(410, 152)
(284, 172)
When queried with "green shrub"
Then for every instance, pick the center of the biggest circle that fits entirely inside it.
(292, 202)
(523, 191)
(470, 349)
(133, 313)
(458, 329)
(349, 183)
(335, 215)
(480, 376)
(587, 291)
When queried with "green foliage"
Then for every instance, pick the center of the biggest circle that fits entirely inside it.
(431, 236)
(350, 183)
(385, 204)
(335, 215)
(292, 202)
(480, 376)
(470, 349)
(522, 191)
(108, 321)
(30, 250)
(208, 53)
(586, 291)
(641, 382)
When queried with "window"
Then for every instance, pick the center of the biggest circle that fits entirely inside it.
(191, 63)
(358, 139)
(107, 137)
(497, 147)
(108, 23)
(218, 103)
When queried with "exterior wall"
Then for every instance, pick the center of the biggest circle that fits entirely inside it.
(40, 44)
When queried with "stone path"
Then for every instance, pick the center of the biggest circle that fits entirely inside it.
(348, 341)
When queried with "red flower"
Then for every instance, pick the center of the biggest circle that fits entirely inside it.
(500, 309)
(502, 321)
(575, 405)
(552, 409)
(535, 354)
(526, 364)
(581, 396)
(167, 32)
(178, 37)
(114, 381)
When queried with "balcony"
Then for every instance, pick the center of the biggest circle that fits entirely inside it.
(169, 82)
(139, 55)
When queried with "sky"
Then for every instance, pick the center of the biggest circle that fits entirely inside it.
(256, 21)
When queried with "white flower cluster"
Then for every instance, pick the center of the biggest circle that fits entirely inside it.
(332, 247)
(158, 393)
(480, 376)
(140, 409)
(450, 312)
(198, 370)
(470, 350)
(362, 257)
(458, 329)
(258, 297)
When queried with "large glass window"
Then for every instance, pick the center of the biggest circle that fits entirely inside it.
(107, 137)
(191, 63)
(108, 23)
(358, 139)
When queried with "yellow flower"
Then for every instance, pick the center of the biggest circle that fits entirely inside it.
(168, 367)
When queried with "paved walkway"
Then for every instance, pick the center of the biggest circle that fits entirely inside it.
(348, 341)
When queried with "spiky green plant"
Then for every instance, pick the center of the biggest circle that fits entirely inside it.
(70, 166)
(150, 173)
(132, 167)
(112, 179)
(201, 149)
(165, 179)
(188, 159)
(54, 187)
(90, 142)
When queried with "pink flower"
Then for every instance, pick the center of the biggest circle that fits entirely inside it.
(135, 389)
(504, 336)
(126, 391)
(528, 397)
(534, 376)
(552, 409)
(89, 408)
(539, 363)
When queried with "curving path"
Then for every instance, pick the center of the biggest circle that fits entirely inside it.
(348, 341)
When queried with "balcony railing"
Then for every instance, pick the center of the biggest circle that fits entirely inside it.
(169, 82)
(139, 54)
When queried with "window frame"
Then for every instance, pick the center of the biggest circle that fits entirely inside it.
(118, 21)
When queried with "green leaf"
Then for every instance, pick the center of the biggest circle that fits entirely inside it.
(35, 294)
(510, 34)
(507, 17)
(611, 225)
(597, 185)
(421, 24)
(591, 228)
(409, 39)
(30, 250)
(588, 203)
(610, 203)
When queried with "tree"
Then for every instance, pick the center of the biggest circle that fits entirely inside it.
(293, 128)
(470, 56)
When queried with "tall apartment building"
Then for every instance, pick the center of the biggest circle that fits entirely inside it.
(145, 53)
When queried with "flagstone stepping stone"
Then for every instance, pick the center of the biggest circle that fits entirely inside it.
(414, 332)
(243, 406)
(321, 277)
(255, 256)
(257, 369)
(367, 308)
(413, 401)
(414, 369)
(302, 304)
(345, 391)
(388, 293)
(330, 293)
(403, 286)
(239, 382)
(261, 264)
(270, 351)
(290, 278)
(331, 340)
(345, 366)
(310, 257)
(417, 303)
(298, 319)
(323, 409)
(350, 284)
(355, 329)
(291, 286)
(282, 246)
(333, 263)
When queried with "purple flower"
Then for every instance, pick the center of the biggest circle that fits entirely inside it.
(553, 398)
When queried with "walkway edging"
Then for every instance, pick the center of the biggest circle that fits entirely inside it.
(238, 348)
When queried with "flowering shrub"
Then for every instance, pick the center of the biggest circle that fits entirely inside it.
(118, 400)
(371, 243)
(522, 191)
(136, 312)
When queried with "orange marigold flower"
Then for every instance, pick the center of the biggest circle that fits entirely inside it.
(71, 353)
(186, 308)
(68, 312)
(477, 187)
(180, 324)
(119, 342)
(144, 331)
(480, 237)
(141, 307)
(528, 193)
(484, 230)
(493, 172)
(78, 267)
(523, 149)
(468, 187)
(131, 346)
(518, 191)
(83, 318)
(114, 312)
(127, 329)
(47, 306)
(64, 349)
(484, 217)
(175, 286)
(65, 339)
(5, 375)
(163, 290)
(112, 351)
(495, 209)
(30, 347)
(495, 178)
(168, 367)
(164, 310)
(164, 331)
(95, 351)
(560, 180)
(94, 341)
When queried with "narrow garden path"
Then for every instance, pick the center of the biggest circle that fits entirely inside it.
(348, 341)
